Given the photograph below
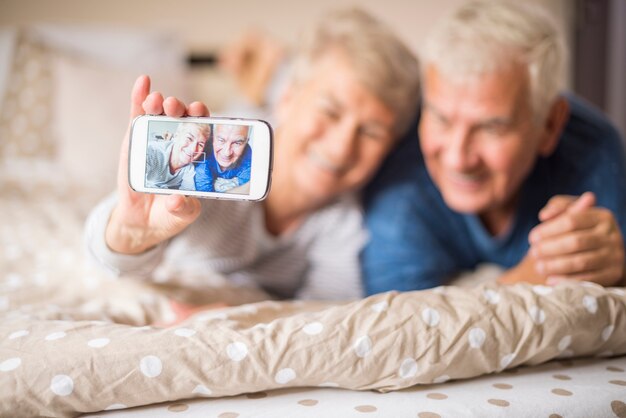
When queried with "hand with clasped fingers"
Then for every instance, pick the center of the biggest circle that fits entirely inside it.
(576, 240)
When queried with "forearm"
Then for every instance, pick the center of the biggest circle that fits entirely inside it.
(119, 264)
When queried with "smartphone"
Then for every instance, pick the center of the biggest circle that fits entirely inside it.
(220, 158)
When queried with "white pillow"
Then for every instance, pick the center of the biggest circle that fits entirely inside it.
(91, 108)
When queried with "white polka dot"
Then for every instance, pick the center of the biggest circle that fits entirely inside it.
(115, 406)
(542, 290)
(408, 368)
(441, 379)
(4, 303)
(10, 364)
(201, 390)
(476, 337)
(607, 332)
(363, 346)
(237, 351)
(62, 385)
(151, 366)
(285, 376)
(537, 314)
(491, 296)
(313, 328)
(329, 385)
(431, 317)
(40, 279)
(591, 304)
(12, 252)
(98, 342)
(565, 342)
(19, 334)
(380, 306)
(14, 281)
(55, 336)
(185, 332)
(506, 360)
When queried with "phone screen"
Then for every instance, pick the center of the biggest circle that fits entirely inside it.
(203, 157)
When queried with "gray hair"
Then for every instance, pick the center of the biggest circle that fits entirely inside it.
(483, 37)
(383, 64)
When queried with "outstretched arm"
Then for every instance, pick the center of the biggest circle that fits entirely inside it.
(140, 221)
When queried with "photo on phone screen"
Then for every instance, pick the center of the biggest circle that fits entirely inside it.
(204, 157)
(208, 157)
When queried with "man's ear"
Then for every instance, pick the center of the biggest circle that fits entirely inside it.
(553, 126)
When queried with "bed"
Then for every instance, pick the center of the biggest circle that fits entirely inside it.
(75, 341)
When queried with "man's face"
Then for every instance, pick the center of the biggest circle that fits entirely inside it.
(478, 139)
(229, 143)
(333, 133)
(189, 141)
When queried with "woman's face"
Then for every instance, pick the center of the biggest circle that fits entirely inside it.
(189, 141)
(333, 133)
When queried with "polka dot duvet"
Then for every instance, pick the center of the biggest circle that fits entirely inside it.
(73, 341)
(63, 367)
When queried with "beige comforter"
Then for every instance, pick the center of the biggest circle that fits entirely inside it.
(73, 341)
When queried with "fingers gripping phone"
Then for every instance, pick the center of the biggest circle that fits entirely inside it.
(220, 158)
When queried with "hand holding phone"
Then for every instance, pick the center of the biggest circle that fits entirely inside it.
(141, 221)
(222, 158)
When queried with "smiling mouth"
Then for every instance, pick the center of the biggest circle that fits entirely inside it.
(322, 162)
(467, 180)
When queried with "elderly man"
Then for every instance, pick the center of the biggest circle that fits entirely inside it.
(228, 166)
(506, 171)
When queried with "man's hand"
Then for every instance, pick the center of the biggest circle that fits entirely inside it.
(525, 272)
(577, 241)
(141, 221)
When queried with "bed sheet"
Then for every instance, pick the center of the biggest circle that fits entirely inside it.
(50, 296)
(567, 388)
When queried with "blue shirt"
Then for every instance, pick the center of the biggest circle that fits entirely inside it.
(208, 171)
(417, 242)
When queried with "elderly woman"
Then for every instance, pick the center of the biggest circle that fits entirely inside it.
(353, 90)
(169, 162)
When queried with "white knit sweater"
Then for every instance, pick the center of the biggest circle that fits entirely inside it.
(317, 261)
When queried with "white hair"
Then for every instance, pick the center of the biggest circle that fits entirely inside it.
(383, 64)
(484, 37)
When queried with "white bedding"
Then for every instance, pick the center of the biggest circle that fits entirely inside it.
(582, 388)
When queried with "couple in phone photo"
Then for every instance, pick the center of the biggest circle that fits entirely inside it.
(202, 157)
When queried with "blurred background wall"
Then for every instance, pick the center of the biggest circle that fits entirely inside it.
(594, 31)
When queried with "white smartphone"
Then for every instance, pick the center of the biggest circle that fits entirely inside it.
(220, 158)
